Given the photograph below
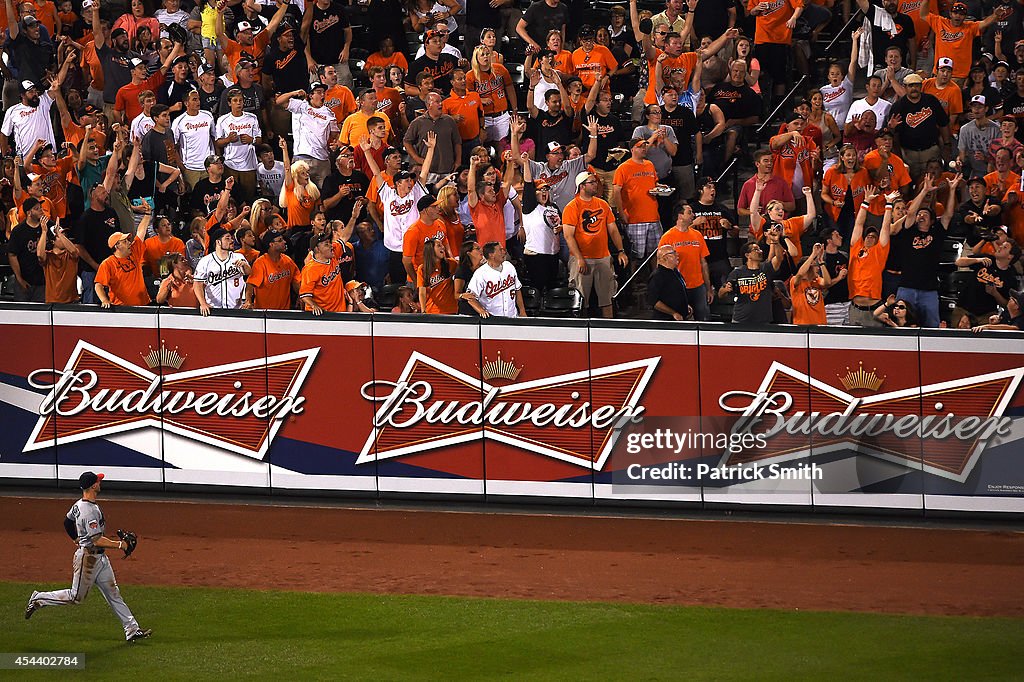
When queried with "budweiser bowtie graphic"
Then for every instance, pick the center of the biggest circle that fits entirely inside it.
(940, 428)
(571, 417)
(237, 407)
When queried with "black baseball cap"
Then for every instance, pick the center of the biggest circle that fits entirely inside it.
(404, 175)
(318, 239)
(426, 201)
(88, 480)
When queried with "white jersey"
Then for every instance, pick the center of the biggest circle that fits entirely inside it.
(399, 214)
(28, 124)
(881, 109)
(141, 125)
(89, 522)
(194, 137)
(313, 127)
(270, 180)
(837, 100)
(238, 156)
(496, 289)
(540, 227)
(224, 279)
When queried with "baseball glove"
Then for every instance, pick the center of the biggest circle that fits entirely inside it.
(130, 541)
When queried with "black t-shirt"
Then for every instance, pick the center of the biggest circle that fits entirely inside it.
(960, 228)
(710, 18)
(666, 285)
(160, 147)
(993, 99)
(252, 100)
(146, 185)
(548, 128)
(465, 273)
(358, 182)
(735, 102)
(483, 14)
(172, 92)
(838, 292)
(753, 291)
(975, 299)
(24, 239)
(684, 123)
(880, 40)
(205, 193)
(327, 33)
(30, 59)
(919, 254)
(919, 128)
(541, 18)
(289, 70)
(117, 71)
(609, 135)
(705, 124)
(439, 68)
(714, 234)
(94, 229)
(1013, 105)
(210, 101)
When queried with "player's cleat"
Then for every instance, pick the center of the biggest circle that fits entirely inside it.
(140, 634)
(32, 606)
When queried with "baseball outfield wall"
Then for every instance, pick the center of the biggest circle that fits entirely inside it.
(591, 412)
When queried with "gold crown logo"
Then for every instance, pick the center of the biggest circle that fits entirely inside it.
(500, 369)
(163, 357)
(861, 380)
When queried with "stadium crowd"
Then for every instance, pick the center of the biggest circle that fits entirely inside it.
(485, 157)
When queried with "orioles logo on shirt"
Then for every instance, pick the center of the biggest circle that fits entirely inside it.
(918, 117)
(951, 36)
(398, 207)
(492, 289)
(279, 275)
(752, 287)
(437, 278)
(125, 264)
(827, 97)
(224, 275)
(922, 242)
(330, 276)
(94, 525)
(772, 7)
(812, 296)
(281, 63)
(555, 178)
(589, 219)
(986, 277)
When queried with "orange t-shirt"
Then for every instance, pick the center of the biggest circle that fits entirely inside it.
(456, 233)
(794, 229)
(75, 133)
(470, 108)
(590, 220)
(865, 273)
(808, 298)
(440, 289)
(836, 183)
(388, 100)
(996, 188)
(250, 254)
(182, 293)
(322, 284)
(55, 183)
(492, 86)
(156, 249)
(377, 59)
(489, 220)
(340, 101)
(899, 177)
(563, 63)
(46, 13)
(770, 27)
(415, 239)
(48, 208)
(123, 277)
(299, 210)
(91, 61)
(590, 66)
(954, 42)
(950, 96)
(234, 50)
(787, 158)
(691, 247)
(686, 61)
(273, 282)
(636, 180)
(127, 99)
(912, 8)
(61, 272)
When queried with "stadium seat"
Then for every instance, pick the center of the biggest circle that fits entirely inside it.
(954, 283)
(532, 300)
(388, 297)
(562, 302)
(951, 250)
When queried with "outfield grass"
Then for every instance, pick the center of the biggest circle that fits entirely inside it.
(223, 634)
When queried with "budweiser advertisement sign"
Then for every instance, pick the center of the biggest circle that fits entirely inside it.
(238, 407)
(940, 428)
(574, 417)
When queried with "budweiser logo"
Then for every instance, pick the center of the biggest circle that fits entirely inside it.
(432, 406)
(939, 428)
(237, 407)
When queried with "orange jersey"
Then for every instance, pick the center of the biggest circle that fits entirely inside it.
(591, 220)
(950, 96)
(770, 27)
(154, 250)
(272, 282)
(790, 156)
(340, 101)
(395, 59)
(234, 51)
(692, 248)
(590, 66)
(636, 180)
(491, 86)
(469, 108)
(998, 188)
(48, 208)
(899, 177)
(835, 183)
(686, 61)
(299, 208)
(416, 237)
(865, 270)
(563, 63)
(123, 277)
(91, 62)
(388, 101)
(353, 130)
(954, 42)
(61, 272)
(55, 183)
(912, 8)
(808, 298)
(440, 289)
(322, 285)
(75, 133)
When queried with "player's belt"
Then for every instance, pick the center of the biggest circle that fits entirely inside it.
(95, 550)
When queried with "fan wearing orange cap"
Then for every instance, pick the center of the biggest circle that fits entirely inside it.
(954, 37)
(119, 277)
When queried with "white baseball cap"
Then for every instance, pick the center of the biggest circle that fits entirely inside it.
(978, 99)
(945, 63)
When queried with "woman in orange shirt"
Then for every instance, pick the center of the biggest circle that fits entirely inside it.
(436, 279)
(563, 58)
(448, 213)
(299, 194)
(807, 289)
(839, 181)
(176, 290)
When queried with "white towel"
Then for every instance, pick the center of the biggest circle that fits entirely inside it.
(882, 20)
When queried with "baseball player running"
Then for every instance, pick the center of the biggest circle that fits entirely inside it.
(85, 524)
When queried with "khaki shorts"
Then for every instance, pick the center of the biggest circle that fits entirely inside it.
(600, 277)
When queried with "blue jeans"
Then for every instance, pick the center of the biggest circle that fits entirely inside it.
(88, 287)
(697, 298)
(925, 305)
